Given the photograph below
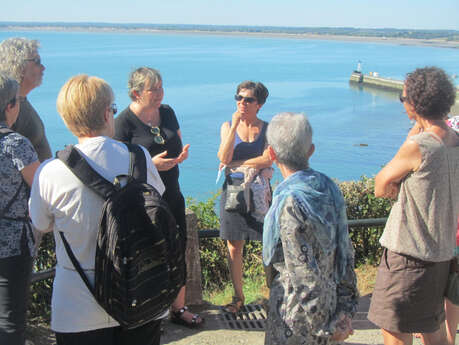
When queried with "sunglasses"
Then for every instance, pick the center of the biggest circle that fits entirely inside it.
(36, 60)
(113, 108)
(403, 99)
(244, 99)
(157, 135)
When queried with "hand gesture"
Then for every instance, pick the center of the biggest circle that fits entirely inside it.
(184, 154)
(237, 116)
(343, 329)
(163, 164)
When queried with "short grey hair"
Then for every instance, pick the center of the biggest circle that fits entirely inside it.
(14, 53)
(290, 136)
(140, 77)
(8, 91)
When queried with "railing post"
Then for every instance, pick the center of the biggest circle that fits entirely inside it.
(193, 263)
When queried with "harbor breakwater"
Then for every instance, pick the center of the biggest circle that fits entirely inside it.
(374, 80)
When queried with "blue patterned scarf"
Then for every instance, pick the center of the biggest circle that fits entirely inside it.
(322, 203)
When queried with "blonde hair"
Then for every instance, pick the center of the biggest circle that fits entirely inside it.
(82, 103)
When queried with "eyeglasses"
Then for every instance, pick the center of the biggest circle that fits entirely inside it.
(156, 90)
(36, 60)
(244, 99)
(403, 99)
(113, 108)
(157, 135)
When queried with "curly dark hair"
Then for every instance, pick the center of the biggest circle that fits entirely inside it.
(430, 91)
(259, 90)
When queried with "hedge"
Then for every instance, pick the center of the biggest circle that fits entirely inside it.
(361, 204)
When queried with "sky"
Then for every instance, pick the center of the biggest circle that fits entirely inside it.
(403, 14)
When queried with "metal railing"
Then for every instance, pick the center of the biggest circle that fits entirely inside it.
(214, 233)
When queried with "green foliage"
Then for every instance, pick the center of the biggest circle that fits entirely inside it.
(40, 292)
(214, 262)
(362, 204)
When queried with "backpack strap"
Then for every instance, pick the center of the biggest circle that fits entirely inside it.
(75, 161)
(79, 166)
(137, 163)
(76, 264)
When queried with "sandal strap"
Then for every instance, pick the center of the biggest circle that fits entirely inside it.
(180, 311)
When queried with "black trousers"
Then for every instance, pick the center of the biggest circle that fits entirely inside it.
(15, 275)
(148, 334)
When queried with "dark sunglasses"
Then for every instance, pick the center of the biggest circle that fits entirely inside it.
(35, 60)
(157, 135)
(113, 108)
(244, 99)
(403, 99)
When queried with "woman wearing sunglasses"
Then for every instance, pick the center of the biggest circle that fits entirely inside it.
(19, 58)
(19, 162)
(419, 237)
(153, 125)
(242, 151)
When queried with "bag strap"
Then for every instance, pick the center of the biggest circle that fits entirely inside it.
(76, 264)
(4, 131)
(15, 196)
(79, 166)
(138, 162)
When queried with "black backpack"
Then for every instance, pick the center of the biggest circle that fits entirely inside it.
(140, 254)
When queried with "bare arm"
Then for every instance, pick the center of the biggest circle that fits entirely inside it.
(407, 159)
(227, 138)
(184, 154)
(259, 162)
(29, 171)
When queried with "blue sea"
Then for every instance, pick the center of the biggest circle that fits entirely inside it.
(356, 131)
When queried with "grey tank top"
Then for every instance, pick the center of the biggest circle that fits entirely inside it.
(423, 220)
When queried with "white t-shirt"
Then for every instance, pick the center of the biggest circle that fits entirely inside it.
(58, 196)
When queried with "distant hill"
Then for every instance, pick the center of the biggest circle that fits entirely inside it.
(450, 35)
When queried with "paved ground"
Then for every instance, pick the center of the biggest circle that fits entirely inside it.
(224, 329)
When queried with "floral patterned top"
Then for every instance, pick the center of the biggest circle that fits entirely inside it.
(314, 286)
(16, 152)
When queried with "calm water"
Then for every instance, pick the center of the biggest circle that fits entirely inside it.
(201, 73)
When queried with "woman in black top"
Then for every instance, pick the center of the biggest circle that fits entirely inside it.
(153, 125)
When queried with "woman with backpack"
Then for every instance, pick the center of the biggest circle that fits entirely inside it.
(18, 164)
(60, 202)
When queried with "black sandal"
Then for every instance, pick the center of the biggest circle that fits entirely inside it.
(177, 318)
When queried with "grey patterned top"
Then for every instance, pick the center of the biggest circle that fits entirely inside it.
(16, 152)
(306, 300)
(423, 221)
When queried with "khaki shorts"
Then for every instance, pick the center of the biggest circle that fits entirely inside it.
(409, 294)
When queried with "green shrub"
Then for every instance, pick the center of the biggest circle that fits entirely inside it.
(213, 251)
(362, 204)
(40, 292)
